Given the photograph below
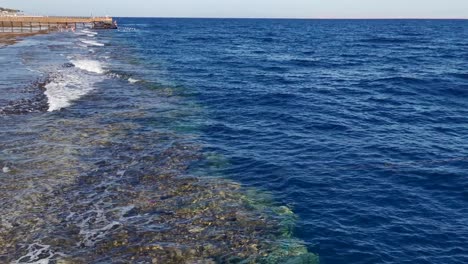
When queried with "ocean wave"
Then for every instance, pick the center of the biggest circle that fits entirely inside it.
(306, 62)
(123, 76)
(460, 75)
(400, 80)
(127, 29)
(131, 80)
(92, 43)
(71, 84)
(66, 88)
(87, 32)
(386, 40)
(89, 65)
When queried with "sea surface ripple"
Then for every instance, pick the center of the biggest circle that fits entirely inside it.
(360, 127)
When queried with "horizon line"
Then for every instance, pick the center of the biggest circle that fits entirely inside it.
(292, 18)
(307, 18)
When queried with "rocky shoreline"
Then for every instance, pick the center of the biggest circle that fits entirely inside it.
(10, 38)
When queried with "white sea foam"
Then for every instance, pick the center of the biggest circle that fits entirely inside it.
(65, 89)
(89, 65)
(39, 254)
(131, 80)
(114, 75)
(71, 84)
(89, 32)
(127, 29)
(94, 224)
(33, 70)
(91, 42)
(81, 33)
(91, 236)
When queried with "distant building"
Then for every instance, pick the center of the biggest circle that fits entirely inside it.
(9, 12)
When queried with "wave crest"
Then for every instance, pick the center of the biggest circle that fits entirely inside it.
(92, 43)
(65, 89)
(89, 65)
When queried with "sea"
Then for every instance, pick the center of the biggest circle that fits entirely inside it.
(236, 141)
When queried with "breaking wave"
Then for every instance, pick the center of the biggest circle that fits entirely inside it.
(131, 80)
(66, 88)
(89, 65)
(72, 83)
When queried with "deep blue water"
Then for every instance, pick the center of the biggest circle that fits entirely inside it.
(359, 126)
(362, 126)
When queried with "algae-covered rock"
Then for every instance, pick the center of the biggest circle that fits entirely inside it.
(140, 206)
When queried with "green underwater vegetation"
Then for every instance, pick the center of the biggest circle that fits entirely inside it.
(155, 212)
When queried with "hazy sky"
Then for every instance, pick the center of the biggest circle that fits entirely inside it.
(248, 8)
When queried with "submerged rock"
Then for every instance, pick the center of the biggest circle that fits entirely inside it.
(141, 206)
(36, 100)
(68, 65)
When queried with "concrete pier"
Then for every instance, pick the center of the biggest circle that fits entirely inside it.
(30, 23)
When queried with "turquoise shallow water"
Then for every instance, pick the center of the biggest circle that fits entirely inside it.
(225, 140)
